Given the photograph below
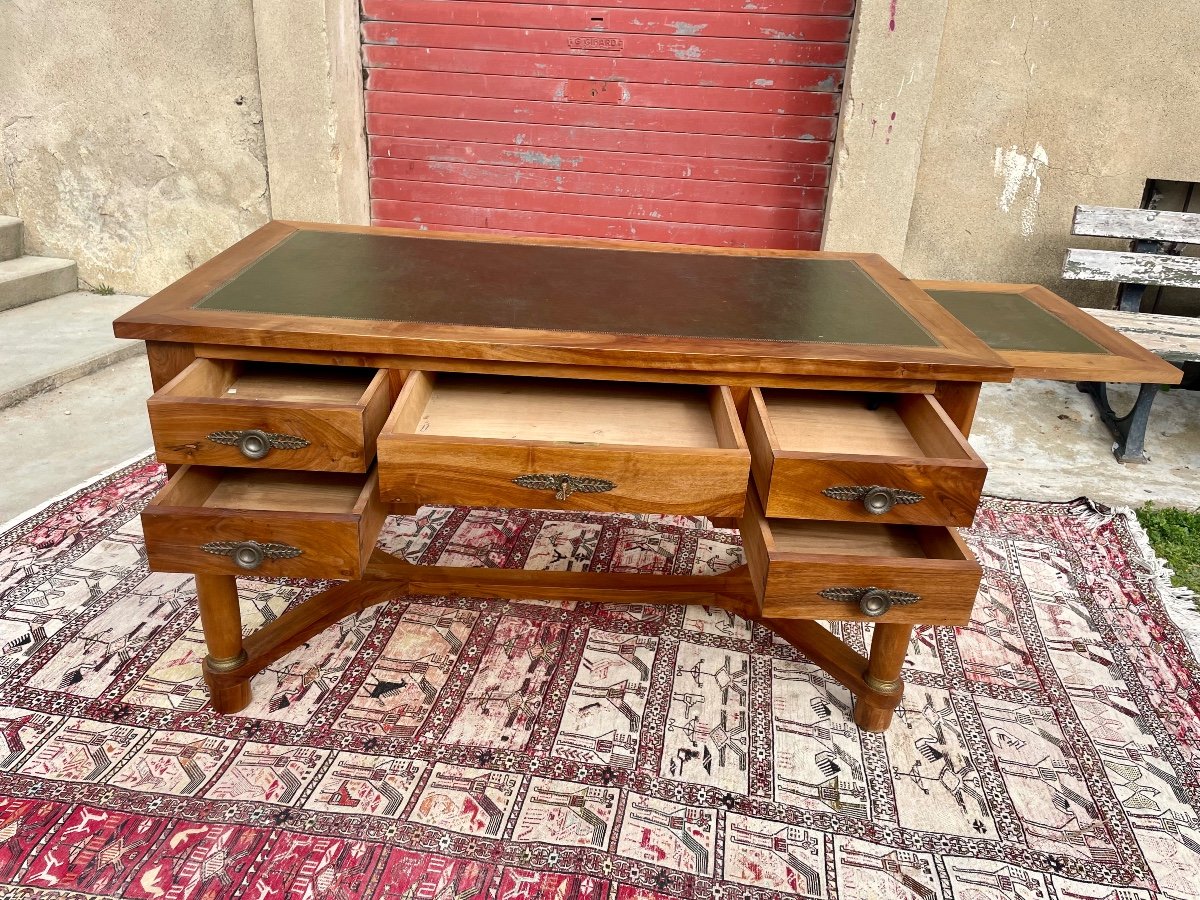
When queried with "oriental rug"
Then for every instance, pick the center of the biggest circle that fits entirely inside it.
(443, 747)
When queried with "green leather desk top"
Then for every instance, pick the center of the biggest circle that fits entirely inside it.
(562, 288)
(1008, 321)
(405, 299)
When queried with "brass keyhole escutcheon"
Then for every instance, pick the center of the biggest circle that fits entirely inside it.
(564, 485)
(875, 498)
(250, 554)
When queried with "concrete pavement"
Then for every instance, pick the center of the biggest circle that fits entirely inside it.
(1042, 440)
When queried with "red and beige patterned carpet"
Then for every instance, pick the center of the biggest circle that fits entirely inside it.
(458, 748)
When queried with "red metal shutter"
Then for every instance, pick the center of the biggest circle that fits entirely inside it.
(686, 121)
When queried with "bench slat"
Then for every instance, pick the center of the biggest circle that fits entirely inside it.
(1174, 338)
(1134, 268)
(1137, 224)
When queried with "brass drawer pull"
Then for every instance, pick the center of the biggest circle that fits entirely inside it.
(872, 601)
(876, 499)
(255, 444)
(564, 485)
(250, 554)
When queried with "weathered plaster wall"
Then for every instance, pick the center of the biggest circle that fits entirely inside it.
(130, 133)
(1040, 105)
(889, 87)
(312, 97)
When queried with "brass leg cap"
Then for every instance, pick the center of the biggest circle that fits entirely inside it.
(227, 664)
(884, 687)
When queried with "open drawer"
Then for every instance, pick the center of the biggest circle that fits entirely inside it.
(861, 458)
(478, 440)
(840, 570)
(225, 412)
(273, 524)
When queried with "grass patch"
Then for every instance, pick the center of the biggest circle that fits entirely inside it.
(1175, 536)
(106, 289)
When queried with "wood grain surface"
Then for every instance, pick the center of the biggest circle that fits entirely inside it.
(1134, 268)
(167, 360)
(544, 370)
(1172, 338)
(1140, 224)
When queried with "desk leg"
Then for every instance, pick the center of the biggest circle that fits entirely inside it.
(222, 622)
(888, 648)
(874, 682)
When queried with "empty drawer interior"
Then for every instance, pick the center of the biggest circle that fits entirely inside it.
(811, 538)
(261, 489)
(277, 382)
(565, 411)
(838, 423)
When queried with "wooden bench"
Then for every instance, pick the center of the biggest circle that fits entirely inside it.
(1157, 238)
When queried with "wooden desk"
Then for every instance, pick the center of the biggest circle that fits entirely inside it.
(313, 378)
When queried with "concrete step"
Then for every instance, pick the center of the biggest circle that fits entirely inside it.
(28, 279)
(11, 236)
(48, 344)
(52, 442)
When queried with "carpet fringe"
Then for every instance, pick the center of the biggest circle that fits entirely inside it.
(1180, 602)
(145, 455)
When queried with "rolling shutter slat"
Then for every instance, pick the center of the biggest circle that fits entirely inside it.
(650, 120)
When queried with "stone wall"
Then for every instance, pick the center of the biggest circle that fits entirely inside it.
(131, 133)
(889, 87)
(312, 94)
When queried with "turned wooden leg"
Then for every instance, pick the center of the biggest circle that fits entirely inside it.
(874, 709)
(222, 622)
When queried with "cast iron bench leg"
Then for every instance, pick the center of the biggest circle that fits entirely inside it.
(1129, 429)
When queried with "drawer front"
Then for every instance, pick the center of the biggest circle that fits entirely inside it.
(559, 444)
(859, 491)
(862, 588)
(424, 470)
(273, 434)
(823, 588)
(937, 481)
(227, 434)
(261, 543)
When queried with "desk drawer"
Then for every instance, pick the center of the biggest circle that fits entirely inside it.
(861, 458)
(273, 524)
(859, 572)
(562, 444)
(270, 415)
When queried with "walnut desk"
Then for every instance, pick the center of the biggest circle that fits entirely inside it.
(312, 379)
